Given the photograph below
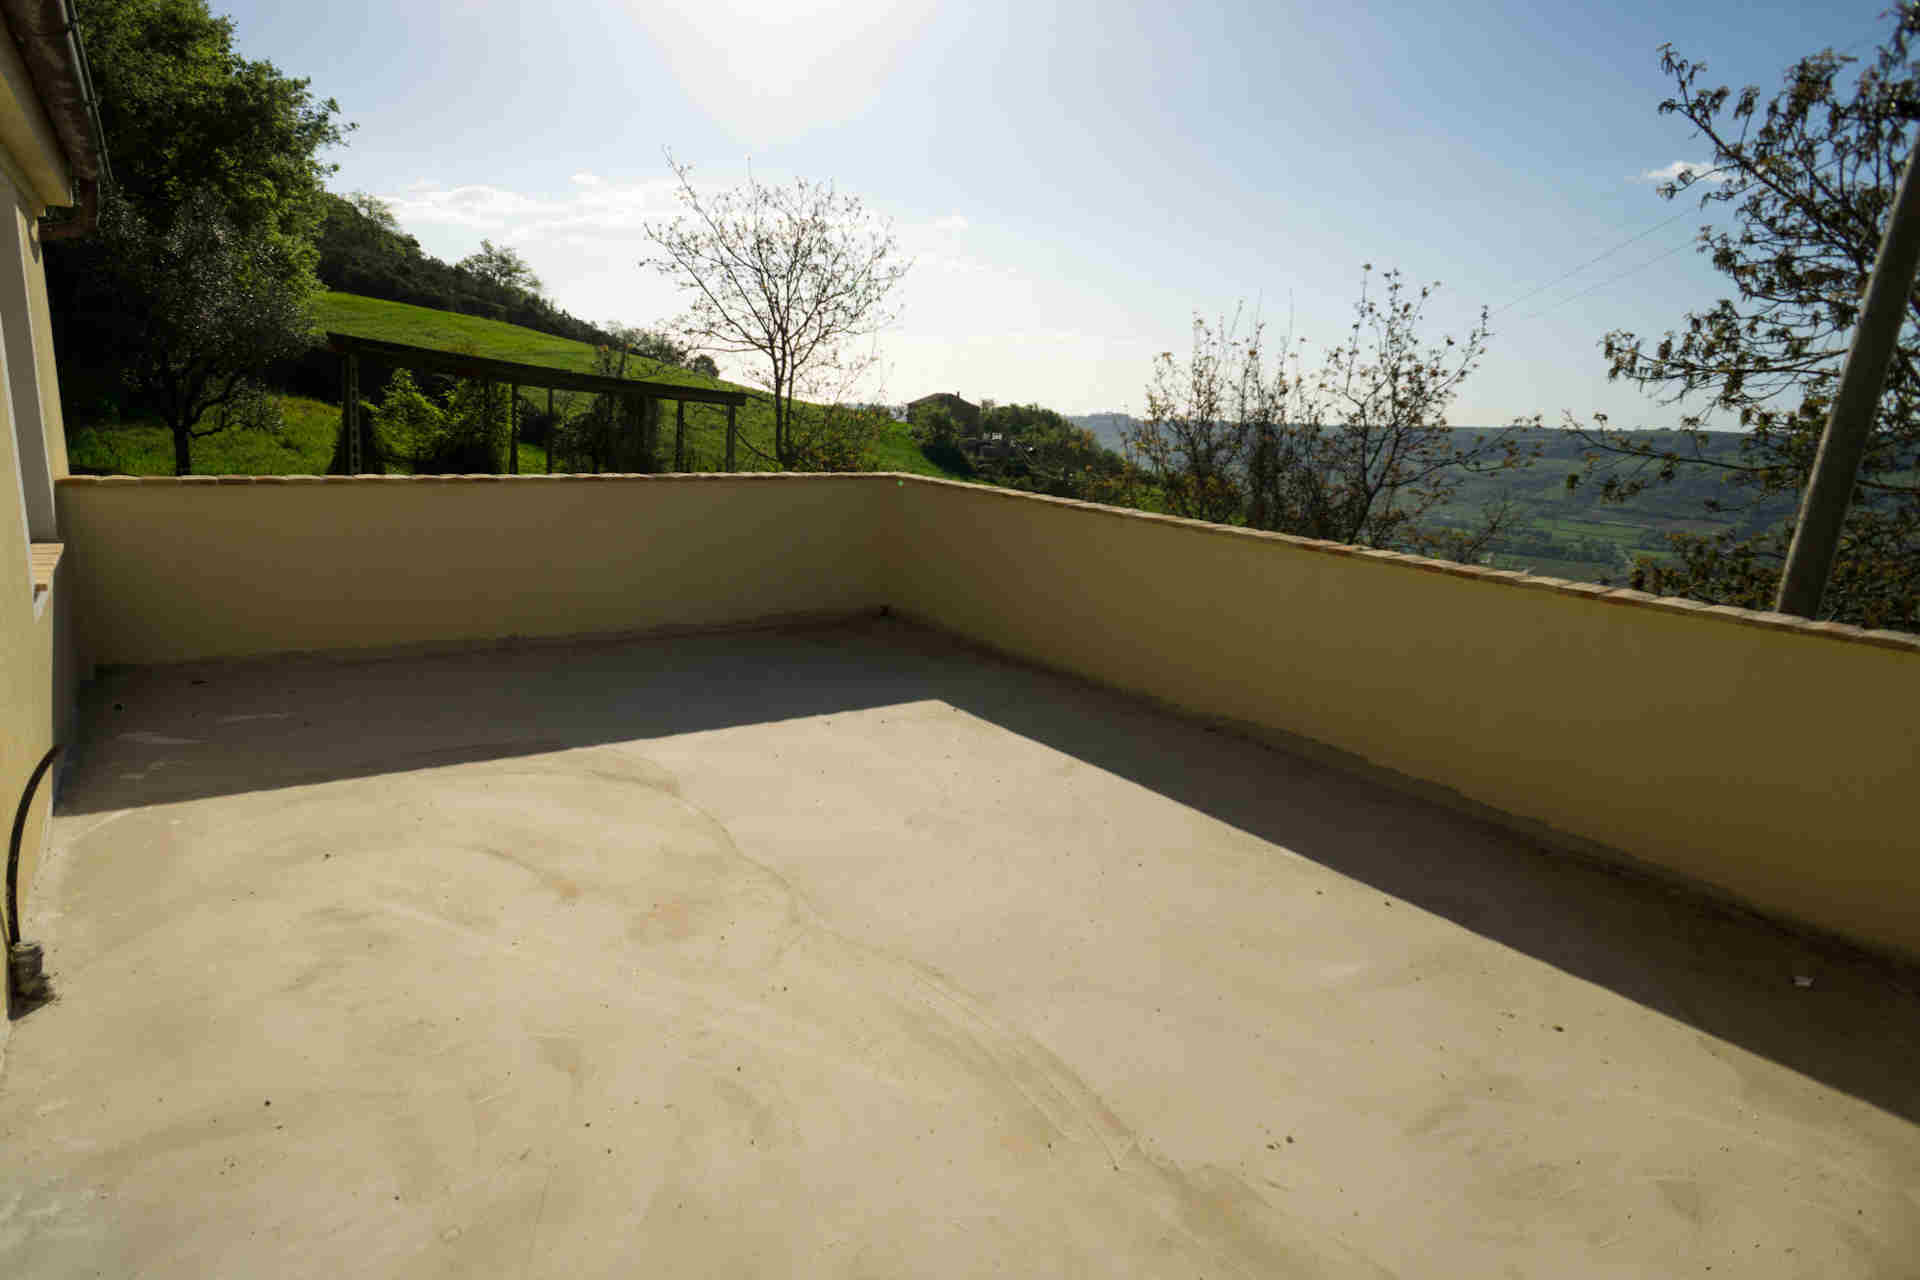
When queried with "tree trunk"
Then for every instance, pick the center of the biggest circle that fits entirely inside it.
(182, 452)
(781, 428)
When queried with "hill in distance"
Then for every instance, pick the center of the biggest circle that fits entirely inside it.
(1574, 535)
(313, 418)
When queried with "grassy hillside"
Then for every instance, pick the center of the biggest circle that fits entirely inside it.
(706, 424)
(304, 448)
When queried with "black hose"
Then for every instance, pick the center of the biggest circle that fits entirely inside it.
(13, 847)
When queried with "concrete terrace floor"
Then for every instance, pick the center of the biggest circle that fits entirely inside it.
(851, 952)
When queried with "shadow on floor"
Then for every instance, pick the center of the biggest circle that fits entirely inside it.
(168, 734)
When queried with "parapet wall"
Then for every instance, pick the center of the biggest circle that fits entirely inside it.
(1775, 760)
(1770, 759)
(168, 570)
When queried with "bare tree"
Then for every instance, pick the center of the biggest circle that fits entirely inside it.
(793, 275)
(1201, 418)
(1376, 435)
(1358, 451)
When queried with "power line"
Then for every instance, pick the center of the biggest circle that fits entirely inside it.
(1688, 244)
(1641, 235)
(1632, 239)
(1600, 257)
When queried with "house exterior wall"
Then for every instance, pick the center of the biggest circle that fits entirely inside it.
(35, 693)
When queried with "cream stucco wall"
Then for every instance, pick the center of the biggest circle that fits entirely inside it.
(1772, 760)
(35, 693)
(32, 715)
(33, 384)
(1775, 761)
(169, 570)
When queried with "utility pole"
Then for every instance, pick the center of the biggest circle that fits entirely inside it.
(1816, 535)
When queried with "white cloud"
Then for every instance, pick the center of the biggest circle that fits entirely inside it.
(952, 222)
(595, 207)
(1670, 173)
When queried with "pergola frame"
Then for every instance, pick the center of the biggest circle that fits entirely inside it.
(630, 391)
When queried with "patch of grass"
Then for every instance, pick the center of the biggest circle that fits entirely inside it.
(1551, 567)
(304, 447)
(897, 451)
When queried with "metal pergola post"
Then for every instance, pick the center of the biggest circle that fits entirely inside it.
(350, 411)
(730, 432)
(513, 429)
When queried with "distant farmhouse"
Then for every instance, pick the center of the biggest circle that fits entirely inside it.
(966, 415)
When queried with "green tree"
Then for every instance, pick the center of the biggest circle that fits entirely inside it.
(939, 437)
(199, 307)
(502, 265)
(366, 223)
(613, 432)
(1069, 462)
(1807, 177)
(184, 113)
(409, 424)
(475, 435)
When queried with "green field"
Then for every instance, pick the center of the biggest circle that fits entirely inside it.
(306, 445)
(145, 449)
(1576, 535)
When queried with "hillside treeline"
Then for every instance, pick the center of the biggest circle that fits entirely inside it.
(362, 250)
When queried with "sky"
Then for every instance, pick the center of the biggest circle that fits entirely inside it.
(1075, 181)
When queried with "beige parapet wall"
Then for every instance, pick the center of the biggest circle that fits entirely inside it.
(1770, 759)
(169, 570)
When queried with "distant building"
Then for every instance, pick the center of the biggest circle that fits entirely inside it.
(966, 415)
